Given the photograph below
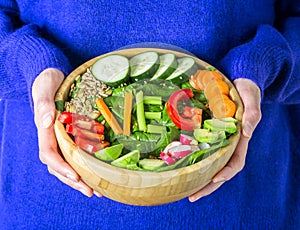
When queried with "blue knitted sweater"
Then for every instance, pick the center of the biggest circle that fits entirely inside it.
(259, 40)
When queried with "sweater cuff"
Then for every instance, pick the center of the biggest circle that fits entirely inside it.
(260, 60)
(35, 54)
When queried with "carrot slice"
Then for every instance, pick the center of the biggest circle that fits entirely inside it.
(108, 116)
(127, 113)
(210, 76)
(202, 77)
(219, 97)
(224, 108)
(195, 80)
(216, 87)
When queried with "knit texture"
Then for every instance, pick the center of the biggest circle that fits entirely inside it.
(258, 40)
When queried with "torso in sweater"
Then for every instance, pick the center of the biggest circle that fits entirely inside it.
(208, 28)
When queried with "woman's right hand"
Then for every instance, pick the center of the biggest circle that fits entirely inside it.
(251, 98)
(43, 92)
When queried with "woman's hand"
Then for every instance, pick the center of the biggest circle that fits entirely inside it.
(43, 92)
(251, 97)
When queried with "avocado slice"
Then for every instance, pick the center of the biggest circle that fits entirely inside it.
(207, 136)
(226, 124)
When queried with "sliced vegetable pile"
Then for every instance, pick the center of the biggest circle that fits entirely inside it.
(152, 112)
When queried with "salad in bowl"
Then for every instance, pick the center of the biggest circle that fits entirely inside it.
(150, 114)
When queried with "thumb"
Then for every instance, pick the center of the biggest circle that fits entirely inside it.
(44, 112)
(251, 97)
(43, 92)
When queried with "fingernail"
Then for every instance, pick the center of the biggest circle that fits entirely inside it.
(248, 129)
(97, 194)
(85, 192)
(47, 120)
(194, 198)
(219, 179)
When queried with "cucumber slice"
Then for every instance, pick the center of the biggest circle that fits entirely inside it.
(167, 65)
(151, 164)
(144, 65)
(113, 69)
(185, 69)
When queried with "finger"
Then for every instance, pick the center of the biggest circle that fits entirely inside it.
(80, 185)
(236, 162)
(97, 194)
(234, 166)
(47, 140)
(208, 189)
(251, 97)
(49, 154)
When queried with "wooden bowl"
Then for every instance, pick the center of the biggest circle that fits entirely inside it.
(140, 187)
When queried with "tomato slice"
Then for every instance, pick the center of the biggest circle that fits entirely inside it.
(190, 118)
(90, 146)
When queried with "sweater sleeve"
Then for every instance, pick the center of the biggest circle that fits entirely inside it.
(24, 53)
(272, 58)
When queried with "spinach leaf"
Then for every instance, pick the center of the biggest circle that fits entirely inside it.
(179, 164)
(165, 138)
(203, 153)
(146, 143)
(116, 104)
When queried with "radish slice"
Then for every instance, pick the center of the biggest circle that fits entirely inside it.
(204, 145)
(187, 140)
(166, 158)
(180, 151)
(171, 145)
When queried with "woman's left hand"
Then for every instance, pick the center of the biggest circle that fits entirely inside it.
(43, 91)
(251, 98)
